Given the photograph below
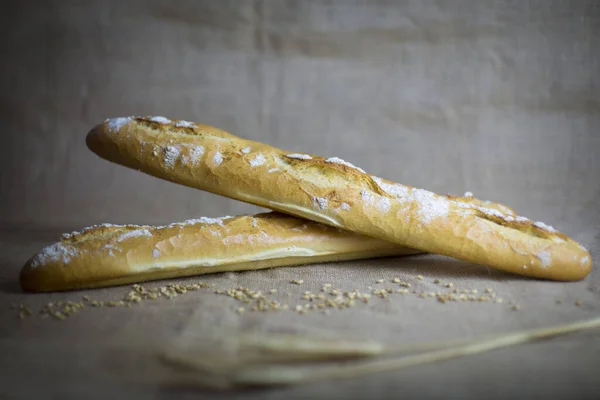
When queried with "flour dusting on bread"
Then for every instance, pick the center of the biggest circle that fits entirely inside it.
(430, 205)
(67, 236)
(160, 120)
(492, 212)
(203, 220)
(384, 204)
(584, 260)
(258, 160)
(133, 234)
(56, 253)
(184, 124)
(545, 257)
(171, 154)
(320, 202)
(367, 197)
(545, 227)
(115, 124)
(392, 189)
(196, 153)
(217, 158)
(299, 156)
(337, 160)
(110, 247)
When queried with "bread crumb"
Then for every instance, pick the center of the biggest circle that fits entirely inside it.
(297, 281)
(420, 277)
(59, 315)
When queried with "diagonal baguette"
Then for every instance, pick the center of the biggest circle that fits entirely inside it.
(339, 194)
(106, 255)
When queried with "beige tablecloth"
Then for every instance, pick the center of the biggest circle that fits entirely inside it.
(500, 98)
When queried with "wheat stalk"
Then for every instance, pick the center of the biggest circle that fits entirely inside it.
(274, 360)
(284, 375)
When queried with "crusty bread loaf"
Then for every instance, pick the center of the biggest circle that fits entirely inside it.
(106, 255)
(339, 194)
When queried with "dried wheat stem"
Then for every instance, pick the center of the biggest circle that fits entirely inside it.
(283, 375)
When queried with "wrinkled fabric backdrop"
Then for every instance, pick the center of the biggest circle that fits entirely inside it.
(500, 98)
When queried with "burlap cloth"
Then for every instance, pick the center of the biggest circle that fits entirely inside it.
(498, 97)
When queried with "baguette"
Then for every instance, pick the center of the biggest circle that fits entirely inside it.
(336, 193)
(107, 255)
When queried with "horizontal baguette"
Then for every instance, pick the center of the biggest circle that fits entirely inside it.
(107, 255)
(339, 194)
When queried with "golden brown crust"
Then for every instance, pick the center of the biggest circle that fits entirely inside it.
(338, 194)
(107, 255)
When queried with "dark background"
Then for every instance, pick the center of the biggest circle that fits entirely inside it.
(500, 98)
